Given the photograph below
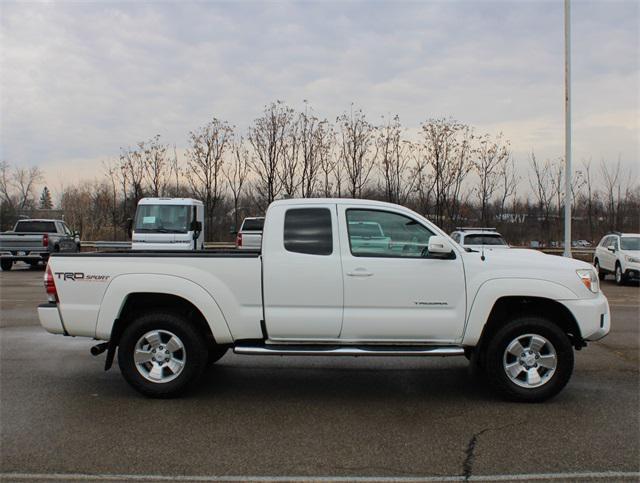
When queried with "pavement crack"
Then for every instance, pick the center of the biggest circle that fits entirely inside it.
(467, 464)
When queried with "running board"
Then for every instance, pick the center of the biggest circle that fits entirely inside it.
(318, 350)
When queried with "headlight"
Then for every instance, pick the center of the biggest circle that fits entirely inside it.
(590, 279)
(632, 259)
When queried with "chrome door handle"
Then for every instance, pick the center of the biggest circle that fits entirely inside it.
(359, 273)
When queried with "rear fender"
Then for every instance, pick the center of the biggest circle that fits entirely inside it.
(122, 286)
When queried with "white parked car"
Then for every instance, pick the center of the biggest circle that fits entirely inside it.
(249, 237)
(618, 253)
(315, 289)
(479, 238)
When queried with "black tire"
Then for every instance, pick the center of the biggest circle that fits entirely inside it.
(619, 275)
(34, 265)
(216, 353)
(6, 264)
(195, 353)
(495, 353)
(601, 274)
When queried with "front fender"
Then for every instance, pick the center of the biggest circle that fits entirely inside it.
(124, 285)
(492, 290)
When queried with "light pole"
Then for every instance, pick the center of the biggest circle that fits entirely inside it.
(567, 129)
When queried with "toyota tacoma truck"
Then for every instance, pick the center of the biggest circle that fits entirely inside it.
(32, 241)
(517, 315)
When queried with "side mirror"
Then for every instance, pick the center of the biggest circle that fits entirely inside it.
(130, 226)
(196, 225)
(611, 248)
(76, 234)
(439, 247)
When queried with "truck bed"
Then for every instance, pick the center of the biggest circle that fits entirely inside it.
(209, 253)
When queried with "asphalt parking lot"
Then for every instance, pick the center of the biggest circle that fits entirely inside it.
(62, 417)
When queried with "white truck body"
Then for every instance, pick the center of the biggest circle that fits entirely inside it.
(308, 290)
(166, 224)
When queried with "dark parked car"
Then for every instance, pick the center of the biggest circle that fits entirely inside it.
(32, 241)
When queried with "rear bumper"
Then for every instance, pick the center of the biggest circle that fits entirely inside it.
(50, 319)
(592, 315)
(31, 257)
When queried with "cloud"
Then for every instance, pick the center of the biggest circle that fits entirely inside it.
(80, 80)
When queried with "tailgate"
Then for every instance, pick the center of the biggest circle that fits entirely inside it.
(18, 242)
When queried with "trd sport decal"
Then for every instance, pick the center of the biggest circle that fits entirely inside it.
(81, 277)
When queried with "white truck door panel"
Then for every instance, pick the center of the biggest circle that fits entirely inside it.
(302, 273)
(393, 293)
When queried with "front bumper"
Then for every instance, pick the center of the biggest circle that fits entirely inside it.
(592, 315)
(632, 274)
(50, 319)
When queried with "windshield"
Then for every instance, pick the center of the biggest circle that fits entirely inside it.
(483, 240)
(630, 243)
(162, 219)
(36, 227)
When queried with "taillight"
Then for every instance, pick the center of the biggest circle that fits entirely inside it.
(50, 286)
(239, 240)
(45, 240)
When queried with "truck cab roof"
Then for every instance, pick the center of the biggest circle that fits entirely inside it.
(170, 201)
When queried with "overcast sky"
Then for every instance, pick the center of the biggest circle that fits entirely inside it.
(79, 80)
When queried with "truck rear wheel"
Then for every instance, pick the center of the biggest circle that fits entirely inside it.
(161, 354)
(6, 264)
(530, 359)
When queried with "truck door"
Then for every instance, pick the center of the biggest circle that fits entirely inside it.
(392, 291)
(302, 273)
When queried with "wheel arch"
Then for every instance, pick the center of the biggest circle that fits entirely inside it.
(500, 299)
(509, 307)
(122, 299)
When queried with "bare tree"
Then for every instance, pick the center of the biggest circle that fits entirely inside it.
(326, 159)
(175, 170)
(508, 183)
(357, 149)
(315, 137)
(541, 181)
(447, 150)
(268, 137)
(132, 168)
(395, 156)
(112, 173)
(6, 185)
(156, 165)
(290, 172)
(209, 145)
(490, 157)
(236, 173)
(25, 181)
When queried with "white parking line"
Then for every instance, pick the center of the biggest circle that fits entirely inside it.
(618, 475)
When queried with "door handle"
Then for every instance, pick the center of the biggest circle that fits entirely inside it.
(359, 272)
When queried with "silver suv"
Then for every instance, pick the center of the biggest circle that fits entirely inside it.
(618, 253)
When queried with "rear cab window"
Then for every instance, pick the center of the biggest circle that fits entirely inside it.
(36, 227)
(484, 240)
(308, 231)
(252, 224)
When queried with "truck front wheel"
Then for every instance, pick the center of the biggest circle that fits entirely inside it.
(6, 264)
(530, 359)
(161, 354)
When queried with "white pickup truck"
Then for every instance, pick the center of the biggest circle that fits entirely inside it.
(517, 314)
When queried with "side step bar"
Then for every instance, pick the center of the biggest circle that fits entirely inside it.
(317, 350)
